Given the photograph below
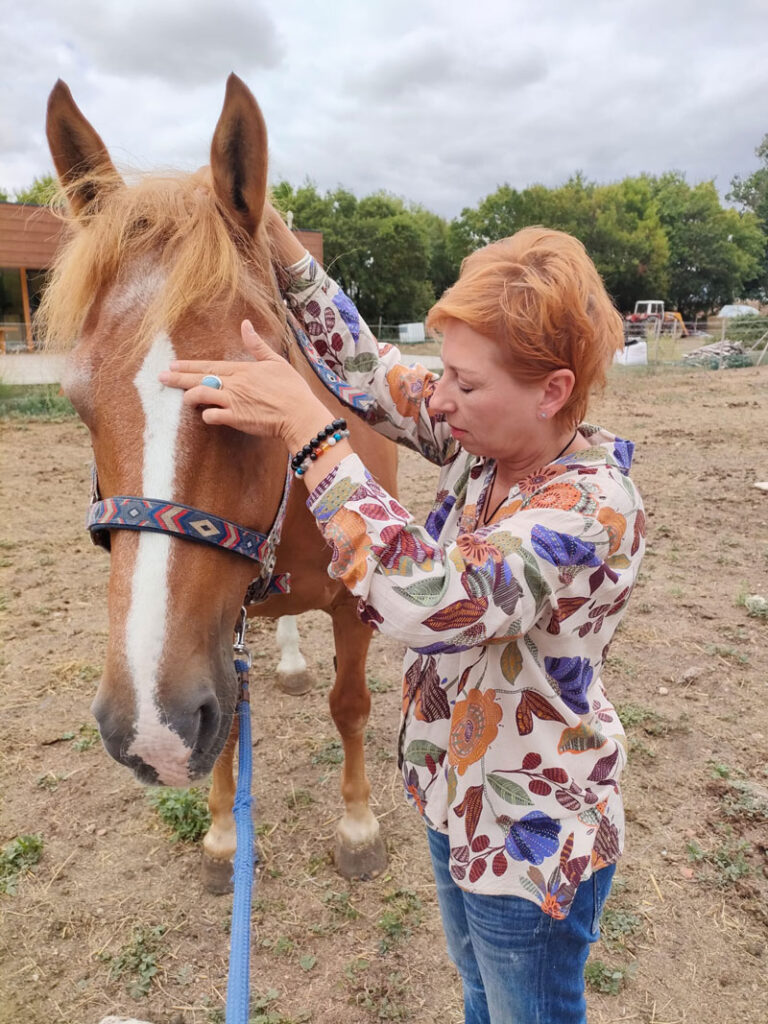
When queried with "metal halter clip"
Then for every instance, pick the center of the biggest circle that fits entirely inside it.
(241, 651)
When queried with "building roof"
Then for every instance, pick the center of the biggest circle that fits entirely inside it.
(30, 235)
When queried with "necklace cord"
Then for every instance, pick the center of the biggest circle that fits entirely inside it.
(487, 517)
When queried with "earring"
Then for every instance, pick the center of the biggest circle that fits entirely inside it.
(542, 415)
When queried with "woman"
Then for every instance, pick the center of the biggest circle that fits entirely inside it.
(507, 598)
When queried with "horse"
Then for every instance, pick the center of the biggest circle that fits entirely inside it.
(162, 268)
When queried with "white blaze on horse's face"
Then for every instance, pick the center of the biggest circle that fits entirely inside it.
(146, 625)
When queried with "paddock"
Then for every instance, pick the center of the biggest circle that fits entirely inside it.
(113, 897)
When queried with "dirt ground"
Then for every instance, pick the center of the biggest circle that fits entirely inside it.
(686, 931)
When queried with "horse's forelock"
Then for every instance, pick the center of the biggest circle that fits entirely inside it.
(173, 221)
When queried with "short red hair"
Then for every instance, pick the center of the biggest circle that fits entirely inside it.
(539, 295)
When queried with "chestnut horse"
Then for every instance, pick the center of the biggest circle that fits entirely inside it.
(167, 269)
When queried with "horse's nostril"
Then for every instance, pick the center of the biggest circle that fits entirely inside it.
(210, 719)
(198, 728)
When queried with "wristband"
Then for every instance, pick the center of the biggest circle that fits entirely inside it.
(321, 442)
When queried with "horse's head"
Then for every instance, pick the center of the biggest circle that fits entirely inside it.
(163, 269)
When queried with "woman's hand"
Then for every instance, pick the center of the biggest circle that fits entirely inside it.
(266, 397)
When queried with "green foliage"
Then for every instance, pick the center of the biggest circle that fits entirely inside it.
(747, 329)
(34, 401)
(184, 811)
(404, 911)
(377, 991)
(262, 1011)
(713, 252)
(744, 801)
(87, 736)
(300, 798)
(634, 716)
(649, 238)
(751, 195)
(40, 192)
(17, 857)
(618, 223)
(728, 860)
(617, 925)
(606, 978)
(756, 604)
(281, 946)
(49, 781)
(391, 258)
(331, 752)
(339, 903)
(137, 961)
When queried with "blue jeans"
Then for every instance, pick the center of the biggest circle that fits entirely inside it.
(518, 965)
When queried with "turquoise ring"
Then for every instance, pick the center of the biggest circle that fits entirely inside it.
(210, 380)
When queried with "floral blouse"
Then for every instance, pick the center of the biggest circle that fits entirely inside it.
(508, 742)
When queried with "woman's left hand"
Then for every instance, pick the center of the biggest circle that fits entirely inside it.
(265, 397)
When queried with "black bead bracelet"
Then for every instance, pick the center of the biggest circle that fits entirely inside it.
(323, 439)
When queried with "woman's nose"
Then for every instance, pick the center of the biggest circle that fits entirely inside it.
(440, 400)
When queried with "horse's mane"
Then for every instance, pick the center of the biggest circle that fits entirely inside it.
(175, 221)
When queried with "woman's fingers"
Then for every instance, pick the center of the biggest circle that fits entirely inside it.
(192, 378)
(255, 343)
(217, 417)
(203, 366)
(204, 396)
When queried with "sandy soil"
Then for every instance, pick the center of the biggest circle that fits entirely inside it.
(686, 938)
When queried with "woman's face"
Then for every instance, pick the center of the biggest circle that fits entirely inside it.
(488, 411)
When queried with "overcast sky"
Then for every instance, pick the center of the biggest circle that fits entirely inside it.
(439, 101)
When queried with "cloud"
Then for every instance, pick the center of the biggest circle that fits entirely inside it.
(435, 100)
(184, 42)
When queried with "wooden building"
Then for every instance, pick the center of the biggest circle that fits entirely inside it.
(29, 238)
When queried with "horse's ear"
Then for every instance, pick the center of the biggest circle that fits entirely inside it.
(80, 157)
(239, 157)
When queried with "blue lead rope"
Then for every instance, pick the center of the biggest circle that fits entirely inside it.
(238, 983)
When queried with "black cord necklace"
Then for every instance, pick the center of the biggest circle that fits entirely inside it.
(488, 517)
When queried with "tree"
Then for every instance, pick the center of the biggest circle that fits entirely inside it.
(443, 266)
(40, 192)
(713, 252)
(624, 236)
(380, 250)
(751, 194)
(618, 224)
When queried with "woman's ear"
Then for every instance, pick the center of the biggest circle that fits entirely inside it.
(557, 390)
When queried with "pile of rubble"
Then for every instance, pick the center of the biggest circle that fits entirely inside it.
(719, 355)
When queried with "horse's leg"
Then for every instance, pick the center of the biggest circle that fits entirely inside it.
(220, 841)
(360, 850)
(292, 674)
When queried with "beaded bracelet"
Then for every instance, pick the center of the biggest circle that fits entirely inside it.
(321, 442)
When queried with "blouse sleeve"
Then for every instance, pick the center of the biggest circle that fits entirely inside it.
(398, 395)
(490, 586)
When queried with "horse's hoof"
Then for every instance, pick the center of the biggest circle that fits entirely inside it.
(217, 875)
(360, 862)
(295, 683)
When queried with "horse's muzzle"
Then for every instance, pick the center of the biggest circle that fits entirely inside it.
(171, 745)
